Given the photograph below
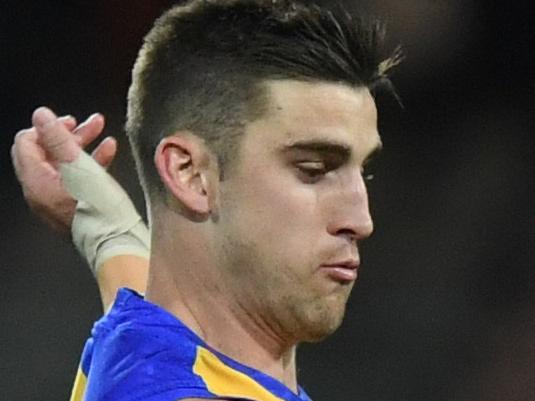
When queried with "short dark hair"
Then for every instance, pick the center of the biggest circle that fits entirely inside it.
(202, 66)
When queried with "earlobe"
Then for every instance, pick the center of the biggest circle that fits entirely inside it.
(180, 161)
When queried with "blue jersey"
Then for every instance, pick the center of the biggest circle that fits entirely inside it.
(140, 352)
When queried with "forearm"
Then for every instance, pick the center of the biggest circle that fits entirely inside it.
(121, 271)
(106, 229)
(72, 191)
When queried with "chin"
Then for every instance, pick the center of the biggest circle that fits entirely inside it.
(320, 333)
(323, 324)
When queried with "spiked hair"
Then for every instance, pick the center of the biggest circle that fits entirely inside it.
(203, 65)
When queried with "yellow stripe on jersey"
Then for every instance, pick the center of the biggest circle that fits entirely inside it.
(224, 381)
(78, 389)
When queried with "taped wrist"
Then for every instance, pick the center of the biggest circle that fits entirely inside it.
(106, 222)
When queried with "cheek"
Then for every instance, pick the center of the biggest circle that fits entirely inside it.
(286, 214)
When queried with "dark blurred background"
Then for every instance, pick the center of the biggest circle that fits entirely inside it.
(445, 305)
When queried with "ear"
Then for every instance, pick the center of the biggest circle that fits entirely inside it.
(183, 163)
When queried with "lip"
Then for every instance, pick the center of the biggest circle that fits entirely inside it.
(346, 264)
(342, 271)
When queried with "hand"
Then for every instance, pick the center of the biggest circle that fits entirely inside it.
(37, 152)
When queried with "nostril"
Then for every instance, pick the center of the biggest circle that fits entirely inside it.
(346, 232)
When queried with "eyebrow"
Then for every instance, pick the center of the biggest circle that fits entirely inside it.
(330, 148)
(324, 147)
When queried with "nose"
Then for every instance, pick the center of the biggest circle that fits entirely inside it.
(352, 218)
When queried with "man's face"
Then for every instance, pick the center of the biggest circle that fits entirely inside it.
(295, 204)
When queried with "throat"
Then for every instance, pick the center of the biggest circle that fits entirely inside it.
(224, 324)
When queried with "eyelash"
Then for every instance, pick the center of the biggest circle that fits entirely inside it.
(311, 173)
(367, 176)
(315, 174)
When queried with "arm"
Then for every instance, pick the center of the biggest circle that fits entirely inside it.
(121, 271)
(39, 156)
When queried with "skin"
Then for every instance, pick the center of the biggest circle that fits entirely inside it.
(121, 271)
(321, 198)
(36, 166)
(256, 287)
(36, 153)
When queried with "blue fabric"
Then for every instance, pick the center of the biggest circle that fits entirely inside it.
(139, 351)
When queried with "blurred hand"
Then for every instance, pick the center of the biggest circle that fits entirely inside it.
(37, 152)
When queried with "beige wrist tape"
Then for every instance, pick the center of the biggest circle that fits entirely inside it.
(106, 223)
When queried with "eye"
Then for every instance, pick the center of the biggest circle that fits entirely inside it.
(367, 173)
(312, 172)
(367, 176)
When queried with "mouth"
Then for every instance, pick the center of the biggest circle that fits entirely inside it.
(343, 272)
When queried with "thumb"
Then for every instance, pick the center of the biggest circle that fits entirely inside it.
(54, 136)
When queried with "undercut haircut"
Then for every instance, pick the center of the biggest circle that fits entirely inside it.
(204, 65)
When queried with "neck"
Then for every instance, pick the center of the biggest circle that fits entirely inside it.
(184, 282)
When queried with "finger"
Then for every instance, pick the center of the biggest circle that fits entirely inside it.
(28, 156)
(89, 129)
(24, 134)
(68, 121)
(54, 137)
(105, 152)
(14, 160)
(25, 149)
